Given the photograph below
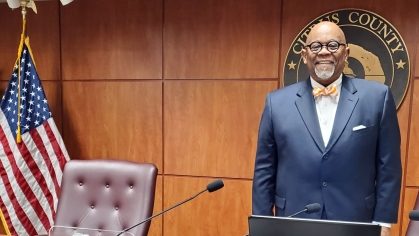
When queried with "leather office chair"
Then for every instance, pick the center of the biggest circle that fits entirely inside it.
(413, 227)
(107, 195)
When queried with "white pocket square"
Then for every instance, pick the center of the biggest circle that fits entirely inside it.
(358, 127)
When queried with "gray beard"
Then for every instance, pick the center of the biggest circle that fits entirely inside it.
(324, 74)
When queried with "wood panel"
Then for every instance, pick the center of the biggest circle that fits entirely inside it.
(121, 120)
(43, 31)
(223, 212)
(409, 203)
(417, 61)
(416, 65)
(156, 227)
(111, 39)
(221, 39)
(211, 127)
(412, 174)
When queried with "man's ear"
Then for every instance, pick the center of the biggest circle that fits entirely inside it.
(304, 55)
(347, 53)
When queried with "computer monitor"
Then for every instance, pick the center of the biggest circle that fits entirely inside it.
(281, 226)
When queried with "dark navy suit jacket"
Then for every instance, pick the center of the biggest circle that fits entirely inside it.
(356, 177)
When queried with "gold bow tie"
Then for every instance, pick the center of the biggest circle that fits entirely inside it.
(331, 90)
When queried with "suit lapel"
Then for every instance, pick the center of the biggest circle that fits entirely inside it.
(307, 109)
(347, 103)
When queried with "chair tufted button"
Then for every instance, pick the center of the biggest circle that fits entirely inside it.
(93, 207)
(81, 184)
(131, 187)
(107, 186)
(116, 208)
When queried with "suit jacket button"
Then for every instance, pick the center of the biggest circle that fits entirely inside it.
(326, 157)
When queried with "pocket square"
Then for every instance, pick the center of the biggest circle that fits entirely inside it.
(358, 127)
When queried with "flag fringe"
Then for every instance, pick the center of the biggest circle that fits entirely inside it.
(3, 220)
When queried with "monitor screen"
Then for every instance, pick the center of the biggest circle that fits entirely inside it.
(281, 226)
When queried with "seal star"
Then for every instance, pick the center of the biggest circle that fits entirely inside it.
(291, 65)
(400, 64)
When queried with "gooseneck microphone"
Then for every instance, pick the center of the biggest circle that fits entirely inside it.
(414, 215)
(310, 208)
(211, 187)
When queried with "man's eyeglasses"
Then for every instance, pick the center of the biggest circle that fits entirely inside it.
(331, 46)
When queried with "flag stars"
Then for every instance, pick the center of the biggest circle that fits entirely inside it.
(32, 94)
(37, 114)
(43, 117)
(26, 126)
(29, 64)
(31, 102)
(36, 122)
(26, 81)
(25, 90)
(12, 92)
(29, 110)
(28, 73)
(13, 84)
(28, 118)
(39, 89)
(14, 75)
(45, 100)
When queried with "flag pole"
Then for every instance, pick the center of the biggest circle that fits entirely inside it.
(24, 4)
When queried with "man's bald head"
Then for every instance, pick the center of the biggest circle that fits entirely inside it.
(327, 62)
(326, 27)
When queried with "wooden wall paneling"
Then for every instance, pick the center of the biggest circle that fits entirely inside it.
(221, 39)
(211, 126)
(156, 227)
(223, 212)
(121, 120)
(111, 39)
(43, 31)
(416, 65)
(412, 173)
(403, 114)
(409, 203)
(417, 61)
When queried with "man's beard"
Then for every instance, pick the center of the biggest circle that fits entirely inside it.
(323, 73)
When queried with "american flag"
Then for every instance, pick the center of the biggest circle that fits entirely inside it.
(30, 170)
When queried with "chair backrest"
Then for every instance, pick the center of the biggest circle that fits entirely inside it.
(107, 194)
(413, 227)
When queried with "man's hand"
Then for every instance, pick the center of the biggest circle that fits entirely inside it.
(385, 231)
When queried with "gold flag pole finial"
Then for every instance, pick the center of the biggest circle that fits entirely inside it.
(27, 4)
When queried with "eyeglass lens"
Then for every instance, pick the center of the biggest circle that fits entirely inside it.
(317, 47)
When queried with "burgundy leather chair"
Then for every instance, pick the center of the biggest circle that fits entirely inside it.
(107, 195)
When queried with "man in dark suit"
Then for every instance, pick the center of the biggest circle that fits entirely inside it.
(330, 140)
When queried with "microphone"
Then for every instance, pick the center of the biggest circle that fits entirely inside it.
(310, 208)
(414, 215)
(211, 187)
